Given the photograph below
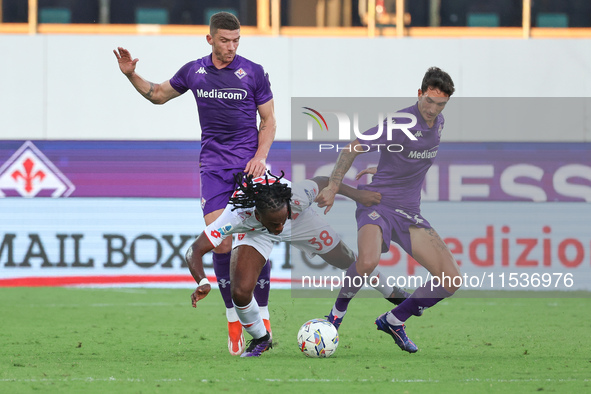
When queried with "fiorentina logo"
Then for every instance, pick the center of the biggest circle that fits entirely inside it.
(29, 173)
(262, 282)
(374, 215)
(240, 73)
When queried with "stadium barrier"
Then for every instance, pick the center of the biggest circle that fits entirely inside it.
(120, 213)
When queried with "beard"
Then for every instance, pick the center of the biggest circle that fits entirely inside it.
(225, 57)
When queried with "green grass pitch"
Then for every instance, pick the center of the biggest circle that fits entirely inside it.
(151, 341)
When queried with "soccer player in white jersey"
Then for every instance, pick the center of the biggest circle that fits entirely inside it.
(261, 212)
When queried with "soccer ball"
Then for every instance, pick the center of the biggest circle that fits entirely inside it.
(318, 338)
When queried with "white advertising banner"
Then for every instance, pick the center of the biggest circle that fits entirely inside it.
(101, 241)
(139, 241)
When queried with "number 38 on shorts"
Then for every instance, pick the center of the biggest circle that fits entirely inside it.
(323, 240)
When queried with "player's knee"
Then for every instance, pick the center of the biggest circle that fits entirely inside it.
(458, 280)
(452, 280)
(225, 246)
(366, 265)
(241, 295)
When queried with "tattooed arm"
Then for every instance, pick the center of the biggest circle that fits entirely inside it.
(156, 93)
(345, 160)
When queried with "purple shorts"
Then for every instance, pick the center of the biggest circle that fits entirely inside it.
(216, 189)
(394, 223)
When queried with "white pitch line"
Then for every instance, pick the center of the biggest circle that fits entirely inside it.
(103, 305)
(138, 380)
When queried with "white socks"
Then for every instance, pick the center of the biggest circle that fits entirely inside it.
(231, 315)
(393, 319)
(251, 319)
(379, 282)
(264, 310)
(337, 313)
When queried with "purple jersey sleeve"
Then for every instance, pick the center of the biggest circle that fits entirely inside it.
(179, 80)
(262, 88)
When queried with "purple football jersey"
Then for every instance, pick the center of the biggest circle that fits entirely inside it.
(400, 175)
(227, 101)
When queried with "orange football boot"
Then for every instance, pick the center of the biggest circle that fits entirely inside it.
(235, 338)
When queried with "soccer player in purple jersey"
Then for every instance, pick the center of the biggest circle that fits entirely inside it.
(229, 90)
(399, 178)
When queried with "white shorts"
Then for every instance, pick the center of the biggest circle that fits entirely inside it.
(309, 232)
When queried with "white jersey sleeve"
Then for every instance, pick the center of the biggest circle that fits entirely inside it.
(228, 223)
(303, 195)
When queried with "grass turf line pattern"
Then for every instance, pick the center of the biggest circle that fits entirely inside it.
(151, 340)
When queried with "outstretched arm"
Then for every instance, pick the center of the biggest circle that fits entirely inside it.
(345, 160)
(157, 93)
(365, 197)
(194, 259)
(258, 164)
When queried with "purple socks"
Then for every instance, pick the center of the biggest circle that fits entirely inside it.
(351, 285)
(221, 267)
(261, 290)
(423, 297)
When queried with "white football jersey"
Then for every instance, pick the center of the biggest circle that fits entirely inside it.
(243, 220)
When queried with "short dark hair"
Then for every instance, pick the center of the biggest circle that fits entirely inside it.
(266, 196)
(436, 78)
(223, 20)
